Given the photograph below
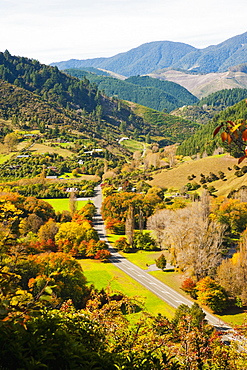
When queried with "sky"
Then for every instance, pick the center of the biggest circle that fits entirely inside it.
(58, 30)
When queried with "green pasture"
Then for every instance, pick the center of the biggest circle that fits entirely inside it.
(62, 204)
(132, 145)
(28, 132)
(69, 175)
(5, 157)
(103, 275)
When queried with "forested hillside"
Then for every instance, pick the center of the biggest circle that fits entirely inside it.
(224, 98)
(208, 107)
(34, 95)
(203, 141)
(150, 92)
(171, 128)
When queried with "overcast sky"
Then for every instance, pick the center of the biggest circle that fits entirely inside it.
(56, 30)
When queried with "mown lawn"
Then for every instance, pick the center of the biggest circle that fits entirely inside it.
(104, 275)
(235, 316)
(143, 258)
(173, 279)
(62, 204)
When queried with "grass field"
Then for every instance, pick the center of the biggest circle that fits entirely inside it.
(104, 275)
(5, 157)
(42, 148)
(63, 204)
(132, 145)
(177, 177)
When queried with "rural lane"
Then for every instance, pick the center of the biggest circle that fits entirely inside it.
(164, 292)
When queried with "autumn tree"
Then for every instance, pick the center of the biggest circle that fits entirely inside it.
(64, 272)
(48, 230)
(117, 206)
(72, 203)
(194, 242)
(11, 141)
(230, 212)
(231, 274)
(211, 294)
(189, 286)
(71, 234)
(32, 223)
(129, 225)
(87, 211)
(122, 244)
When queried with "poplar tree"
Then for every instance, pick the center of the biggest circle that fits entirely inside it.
(129, 224)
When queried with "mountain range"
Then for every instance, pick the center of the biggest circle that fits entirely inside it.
(157, 55)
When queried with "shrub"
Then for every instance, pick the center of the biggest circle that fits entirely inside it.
(103, 255)
(161, 262)
(188, 286)
(238, 173)
(122, 244)
(144, 241)
(115, 226)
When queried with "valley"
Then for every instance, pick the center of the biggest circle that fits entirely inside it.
(173, 207)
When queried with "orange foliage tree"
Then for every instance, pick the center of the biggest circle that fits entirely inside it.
(234, 133)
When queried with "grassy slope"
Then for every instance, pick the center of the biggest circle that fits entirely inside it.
(177, 177)
(42, 148)
(106, 274)
(133, 145)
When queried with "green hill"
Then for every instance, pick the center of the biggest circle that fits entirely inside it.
(203, 141)
(208, 107)
(172, 129)
(34, 95)
(153, 93)
(224, 98)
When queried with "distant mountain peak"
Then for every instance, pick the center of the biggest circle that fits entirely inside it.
(155, 55)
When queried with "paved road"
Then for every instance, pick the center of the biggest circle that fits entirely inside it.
(167, 294)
